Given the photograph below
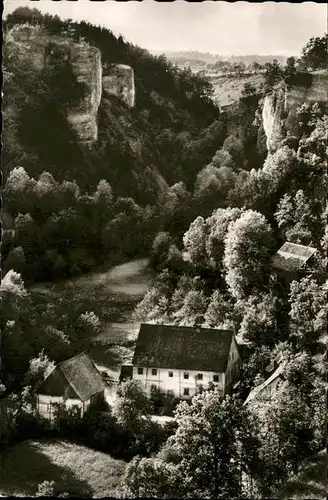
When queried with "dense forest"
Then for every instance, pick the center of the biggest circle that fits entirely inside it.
(52, 180)
(211, 219)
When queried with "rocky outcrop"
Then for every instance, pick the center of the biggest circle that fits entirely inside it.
(86, 64)
(119, 81)
(279, 107)
(34, 47)
(273, 119)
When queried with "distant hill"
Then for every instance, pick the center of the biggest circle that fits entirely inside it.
(207, 58)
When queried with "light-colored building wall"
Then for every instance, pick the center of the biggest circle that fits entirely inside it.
(46, 404)
(177, 383)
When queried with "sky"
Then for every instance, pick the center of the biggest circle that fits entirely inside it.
(215, 27)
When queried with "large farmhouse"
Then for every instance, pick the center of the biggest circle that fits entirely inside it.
(184, 360)
(74, 382)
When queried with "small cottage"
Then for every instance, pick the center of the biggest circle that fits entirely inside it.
(268, 389)
(183, 361)
(74, 382)
(292, 257)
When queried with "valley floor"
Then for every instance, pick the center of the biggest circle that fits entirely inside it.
(111, 295)
(76, 469)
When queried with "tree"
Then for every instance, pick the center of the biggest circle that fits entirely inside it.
(154, 307)
(132, 408)
(160, 250)
(18, 191)
(16, 261)
(314, 54)
(219, 312)
(213, 452)
(219, 223)
(247, 254)
(248, 90)
(258, 323)
(194, 241)
(103, 197)
(255, 367)
(234, 147)
(296, 219)
(150, 477)
(308, 309)
(256, 66)
(290, 69)
(46, 489)
(288, 430)
(46, 193)
(193, 309)
(39, 369)
(273, 73)
(213, 183)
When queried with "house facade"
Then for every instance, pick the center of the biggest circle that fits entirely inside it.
(183, 361)
(73, 382)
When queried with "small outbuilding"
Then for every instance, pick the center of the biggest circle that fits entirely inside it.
(73, 382)
(292, 257)
(268, 389)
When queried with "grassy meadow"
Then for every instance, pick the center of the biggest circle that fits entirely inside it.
(76, 469)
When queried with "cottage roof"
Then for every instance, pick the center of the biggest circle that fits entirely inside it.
(81, 375)
(182, 348)
(258, 389)
(292, 256)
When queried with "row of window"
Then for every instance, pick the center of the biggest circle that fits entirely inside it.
(199, 376)
(186, 391)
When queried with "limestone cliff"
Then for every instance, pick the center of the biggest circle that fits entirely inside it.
(118, 80)
(274, 117)
(35, 48)
(279, 107)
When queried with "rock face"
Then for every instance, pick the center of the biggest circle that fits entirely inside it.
(279, 107)
(34, 47)
(86, 64)
(119, 81)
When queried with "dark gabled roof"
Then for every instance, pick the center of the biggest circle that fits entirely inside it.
(182, 348)
(81, 375)
(291, 256)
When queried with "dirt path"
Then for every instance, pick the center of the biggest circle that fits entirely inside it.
(112, 295)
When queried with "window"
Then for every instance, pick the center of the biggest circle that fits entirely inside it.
(154, 371)
(199, 376)
(153, 387)
(215, 378)
(186, 391)
(186, 375)
(170, 374)
(140, 371)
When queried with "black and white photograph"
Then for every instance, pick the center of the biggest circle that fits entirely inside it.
(163, 291)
